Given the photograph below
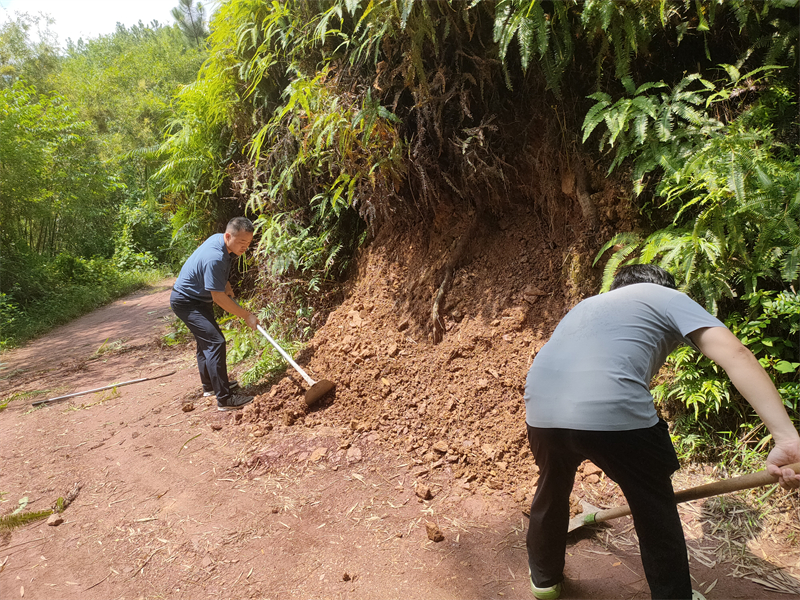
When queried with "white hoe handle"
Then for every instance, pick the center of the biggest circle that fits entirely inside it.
(286, 356)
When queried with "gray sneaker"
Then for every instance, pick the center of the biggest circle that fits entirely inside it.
(234, 403)
(232, 385)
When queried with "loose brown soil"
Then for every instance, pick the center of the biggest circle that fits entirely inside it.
(283, 502)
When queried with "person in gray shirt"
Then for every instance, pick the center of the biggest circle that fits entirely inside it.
(587, 396)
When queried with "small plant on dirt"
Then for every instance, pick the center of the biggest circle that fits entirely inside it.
(268, 366)
(241, 339)
(15, 520)
(19, 396)
(247, 346)
(178, 332)
(107, 395)
(106, 347)
(18, 518)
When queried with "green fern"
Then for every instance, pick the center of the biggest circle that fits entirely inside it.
(548, 35)
(628, 243)
(656, 131)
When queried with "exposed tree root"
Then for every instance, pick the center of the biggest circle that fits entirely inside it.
(581, 190)
(437, 323)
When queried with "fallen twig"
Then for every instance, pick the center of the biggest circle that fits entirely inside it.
(98, 583)
(147, 560)
(187, 441)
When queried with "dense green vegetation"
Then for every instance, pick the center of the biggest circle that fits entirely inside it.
(324, 120)
(79, 224)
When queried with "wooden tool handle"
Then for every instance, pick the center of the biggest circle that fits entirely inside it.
(743, 482)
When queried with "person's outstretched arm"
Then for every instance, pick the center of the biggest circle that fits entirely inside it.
(228, 304)
(755, 385)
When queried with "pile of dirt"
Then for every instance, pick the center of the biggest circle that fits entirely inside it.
(456, 405)
(179, 500)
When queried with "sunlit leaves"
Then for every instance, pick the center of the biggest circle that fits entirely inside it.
(53, 189)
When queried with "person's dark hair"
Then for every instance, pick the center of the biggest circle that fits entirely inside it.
(237, 224)
(630, 274)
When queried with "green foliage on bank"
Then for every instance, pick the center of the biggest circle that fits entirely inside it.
(67, 287)
(721, 161)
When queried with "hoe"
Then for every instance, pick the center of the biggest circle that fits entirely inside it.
(592, 514)
(318, 388)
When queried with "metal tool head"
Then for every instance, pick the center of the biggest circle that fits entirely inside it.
(318, 390)
(585, 518)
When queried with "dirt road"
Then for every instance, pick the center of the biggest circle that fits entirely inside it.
(198, 505)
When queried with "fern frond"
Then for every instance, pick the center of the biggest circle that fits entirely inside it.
(629, 242)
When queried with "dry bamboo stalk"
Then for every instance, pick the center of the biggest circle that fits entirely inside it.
(100, 389)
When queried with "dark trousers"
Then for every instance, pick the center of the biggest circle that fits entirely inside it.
(640, 461)
(211, 352)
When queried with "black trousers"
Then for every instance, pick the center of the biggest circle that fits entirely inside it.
(641, 462)
(211, 351)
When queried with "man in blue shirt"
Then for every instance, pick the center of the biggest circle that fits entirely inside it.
(203, 282)
(587, 396)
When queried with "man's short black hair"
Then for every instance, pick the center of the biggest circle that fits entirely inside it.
(630, 274)
(237, 224)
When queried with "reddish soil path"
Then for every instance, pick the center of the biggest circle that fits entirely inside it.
(201, 504)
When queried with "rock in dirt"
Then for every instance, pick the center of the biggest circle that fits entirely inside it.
(575, 506)
(188, 407)
(490, 451)
(55, 520)
(441, 447)
(589, 468)
(354, 454)
(290, 417)
(531, 294)
(346, 577)
(318, 454)
(216, 426)
(355, 319)
(423, 491)
(434, 533)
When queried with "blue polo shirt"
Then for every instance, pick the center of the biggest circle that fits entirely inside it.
(206, 270)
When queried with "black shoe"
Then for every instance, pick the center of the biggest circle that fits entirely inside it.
(234, 403)
(233, 385)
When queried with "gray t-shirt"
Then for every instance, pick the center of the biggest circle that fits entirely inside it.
(205, 271)
(595, 371)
